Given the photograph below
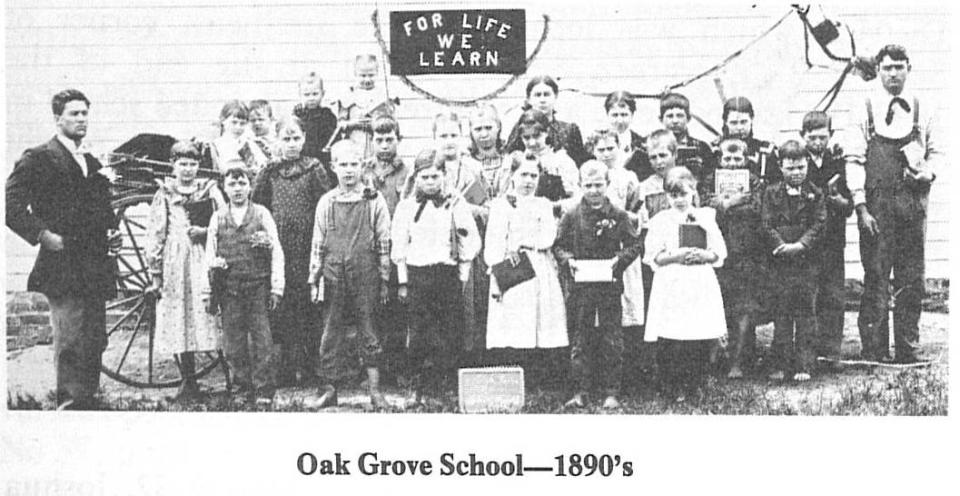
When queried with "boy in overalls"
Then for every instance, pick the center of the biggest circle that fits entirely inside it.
(349, 270)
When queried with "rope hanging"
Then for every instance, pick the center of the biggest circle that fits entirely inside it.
(459, 102)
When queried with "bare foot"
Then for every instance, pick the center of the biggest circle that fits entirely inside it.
(801, 377)
(575, 402)
(776, 376)
(735, 373)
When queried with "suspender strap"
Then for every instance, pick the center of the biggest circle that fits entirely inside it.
(870, 126)
(916, 116)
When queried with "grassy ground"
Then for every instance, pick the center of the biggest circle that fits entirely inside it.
(853, 391)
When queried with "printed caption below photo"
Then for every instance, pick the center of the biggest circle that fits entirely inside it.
(470, 465)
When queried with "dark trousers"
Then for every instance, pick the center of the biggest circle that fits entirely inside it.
(346, 303)
(295, 326)
(831, 297)
(79, 338)
(596, 350)
(682, 364)
(247, 343)
(795, 322)
(898, 248)
(436, 323)
(392, 330)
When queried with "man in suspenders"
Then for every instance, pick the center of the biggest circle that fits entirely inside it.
(892, 157)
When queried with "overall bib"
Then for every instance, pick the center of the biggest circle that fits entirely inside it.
(352, 287)
(899, 206)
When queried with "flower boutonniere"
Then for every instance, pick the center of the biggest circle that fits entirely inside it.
(604, 226)
(260, 240)
(810, 197)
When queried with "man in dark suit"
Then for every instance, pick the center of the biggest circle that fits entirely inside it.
(57, 198)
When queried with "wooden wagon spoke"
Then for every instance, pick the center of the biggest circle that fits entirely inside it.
(135, 224)
(150, 355)
(141, 276)
(127, 315)
(133, 242)
(136, 330)
(135, 271)
(124, 301)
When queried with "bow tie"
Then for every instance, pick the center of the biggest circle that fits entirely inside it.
(899, 101)
(422, 199)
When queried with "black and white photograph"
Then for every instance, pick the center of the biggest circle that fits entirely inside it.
(611, 215)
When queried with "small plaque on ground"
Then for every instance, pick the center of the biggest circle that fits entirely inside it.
(491, 390)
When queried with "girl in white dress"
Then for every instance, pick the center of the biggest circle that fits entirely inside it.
(530, 315)
(686, 309)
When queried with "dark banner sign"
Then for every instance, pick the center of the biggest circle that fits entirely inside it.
(458, 42)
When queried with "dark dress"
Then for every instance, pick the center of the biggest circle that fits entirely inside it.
(318, 126)
(291, 190)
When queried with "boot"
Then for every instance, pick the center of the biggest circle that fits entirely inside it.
(188, 383)
(377, 401)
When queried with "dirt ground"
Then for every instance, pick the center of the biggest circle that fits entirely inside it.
(30, 373)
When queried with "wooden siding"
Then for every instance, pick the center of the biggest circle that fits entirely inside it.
(166, 66)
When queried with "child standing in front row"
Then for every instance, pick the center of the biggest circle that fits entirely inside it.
(434, 239)
(595, 229)
(242, 239)
(290, 188)
(794, 215)
(624, 192)
(349, 271)
(741, 277)
(686, 309)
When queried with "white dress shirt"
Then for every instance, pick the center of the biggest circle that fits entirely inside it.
(855, 144)
(77, 152)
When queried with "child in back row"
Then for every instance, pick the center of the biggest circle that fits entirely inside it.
(262, 126)
(793, 215)
(235, 145)
(319, 122)
(686, 308)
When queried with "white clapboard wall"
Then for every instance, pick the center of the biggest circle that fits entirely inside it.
(166, 66)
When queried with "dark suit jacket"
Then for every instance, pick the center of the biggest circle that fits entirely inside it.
(789, 219)
(47, 190)
(835, 232)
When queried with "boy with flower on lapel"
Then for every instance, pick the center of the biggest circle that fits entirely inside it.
(793, 215)
(595, 229)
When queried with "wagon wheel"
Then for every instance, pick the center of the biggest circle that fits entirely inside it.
(129, 357)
